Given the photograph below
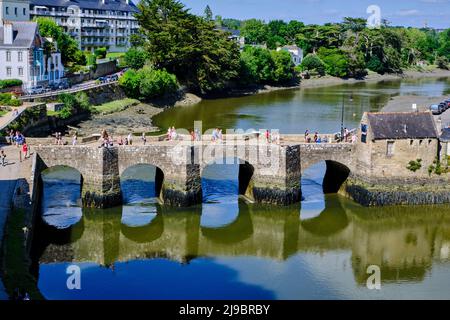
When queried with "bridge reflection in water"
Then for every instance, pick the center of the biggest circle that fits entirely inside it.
(407, 243)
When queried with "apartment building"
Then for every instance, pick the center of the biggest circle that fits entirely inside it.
(93, 23)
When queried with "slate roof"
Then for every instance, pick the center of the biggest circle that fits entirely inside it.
(445, 136)
(234, 33)
(402, 125)
(23, 34)
(116, 5)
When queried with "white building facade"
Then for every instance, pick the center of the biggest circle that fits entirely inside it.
(17, 10)
(22, 53)
(93, 23)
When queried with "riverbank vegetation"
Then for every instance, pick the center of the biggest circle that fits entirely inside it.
(73, 104)
(114, 106)
(205, 60)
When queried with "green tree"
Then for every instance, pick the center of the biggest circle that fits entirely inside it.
(70, 53)
(312, 63)
(283, 71)
(130, 82)
(255, 31)
(188, 46)
(336, 62)
(135, 58)
(208, 13)
(256, 65)
(156, 83)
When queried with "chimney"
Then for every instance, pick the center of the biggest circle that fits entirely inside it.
(7, 33)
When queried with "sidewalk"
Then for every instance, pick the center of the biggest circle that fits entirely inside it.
(8, 178)
(10, 117)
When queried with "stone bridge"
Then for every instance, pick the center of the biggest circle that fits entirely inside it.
(268, 173)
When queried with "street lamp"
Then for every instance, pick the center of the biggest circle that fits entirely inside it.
(342, 114)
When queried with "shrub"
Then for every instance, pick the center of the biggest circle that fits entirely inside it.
(156, 83)
(73, 104)
(135, 58)
(100, 53)
(414, 165)
(8, 99)
(7, 83)
(130, 83)
(442, 63)
(313, 63)
(148, 83)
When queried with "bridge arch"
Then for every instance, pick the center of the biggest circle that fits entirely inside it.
(61, 196)
(245, 173)
(143, 181)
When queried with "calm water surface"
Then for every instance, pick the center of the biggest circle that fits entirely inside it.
(228, 249)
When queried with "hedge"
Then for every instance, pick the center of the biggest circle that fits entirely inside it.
(10, 83)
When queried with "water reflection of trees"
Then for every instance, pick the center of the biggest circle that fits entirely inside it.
(402, 243)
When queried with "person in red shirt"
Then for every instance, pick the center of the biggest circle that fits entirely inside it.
(25, 150)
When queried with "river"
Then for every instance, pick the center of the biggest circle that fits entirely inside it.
(225, 248)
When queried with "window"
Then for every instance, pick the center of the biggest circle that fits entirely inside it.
(21, 71)
(7, 10)
(8, 56)
(24, 11)
(8, 71)
(20, 56)
(390, 148)
(15, 11)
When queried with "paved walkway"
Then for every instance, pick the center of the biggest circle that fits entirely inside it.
(10, 117)
(8, 178)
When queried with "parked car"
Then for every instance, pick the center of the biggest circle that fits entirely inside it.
(436, 109)
(36, 90)
(102, 79)
(448, 103)
(114, 77)
(444, 106)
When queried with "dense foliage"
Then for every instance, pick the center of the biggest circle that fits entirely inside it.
(260, 66)
(148, 83)
(101, 52)
(70, 53)
(135, 58)
(73, 104)
(8, 99)
(204, 59)
(187, 45)
(7, 83)
(351, 44)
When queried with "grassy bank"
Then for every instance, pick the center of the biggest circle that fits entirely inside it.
(115, 106)
(15, 262)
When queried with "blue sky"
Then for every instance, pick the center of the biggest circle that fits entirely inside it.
(436, 13)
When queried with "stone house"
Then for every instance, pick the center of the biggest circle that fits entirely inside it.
(388, 141)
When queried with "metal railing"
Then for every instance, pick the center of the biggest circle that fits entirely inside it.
(71, 90)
